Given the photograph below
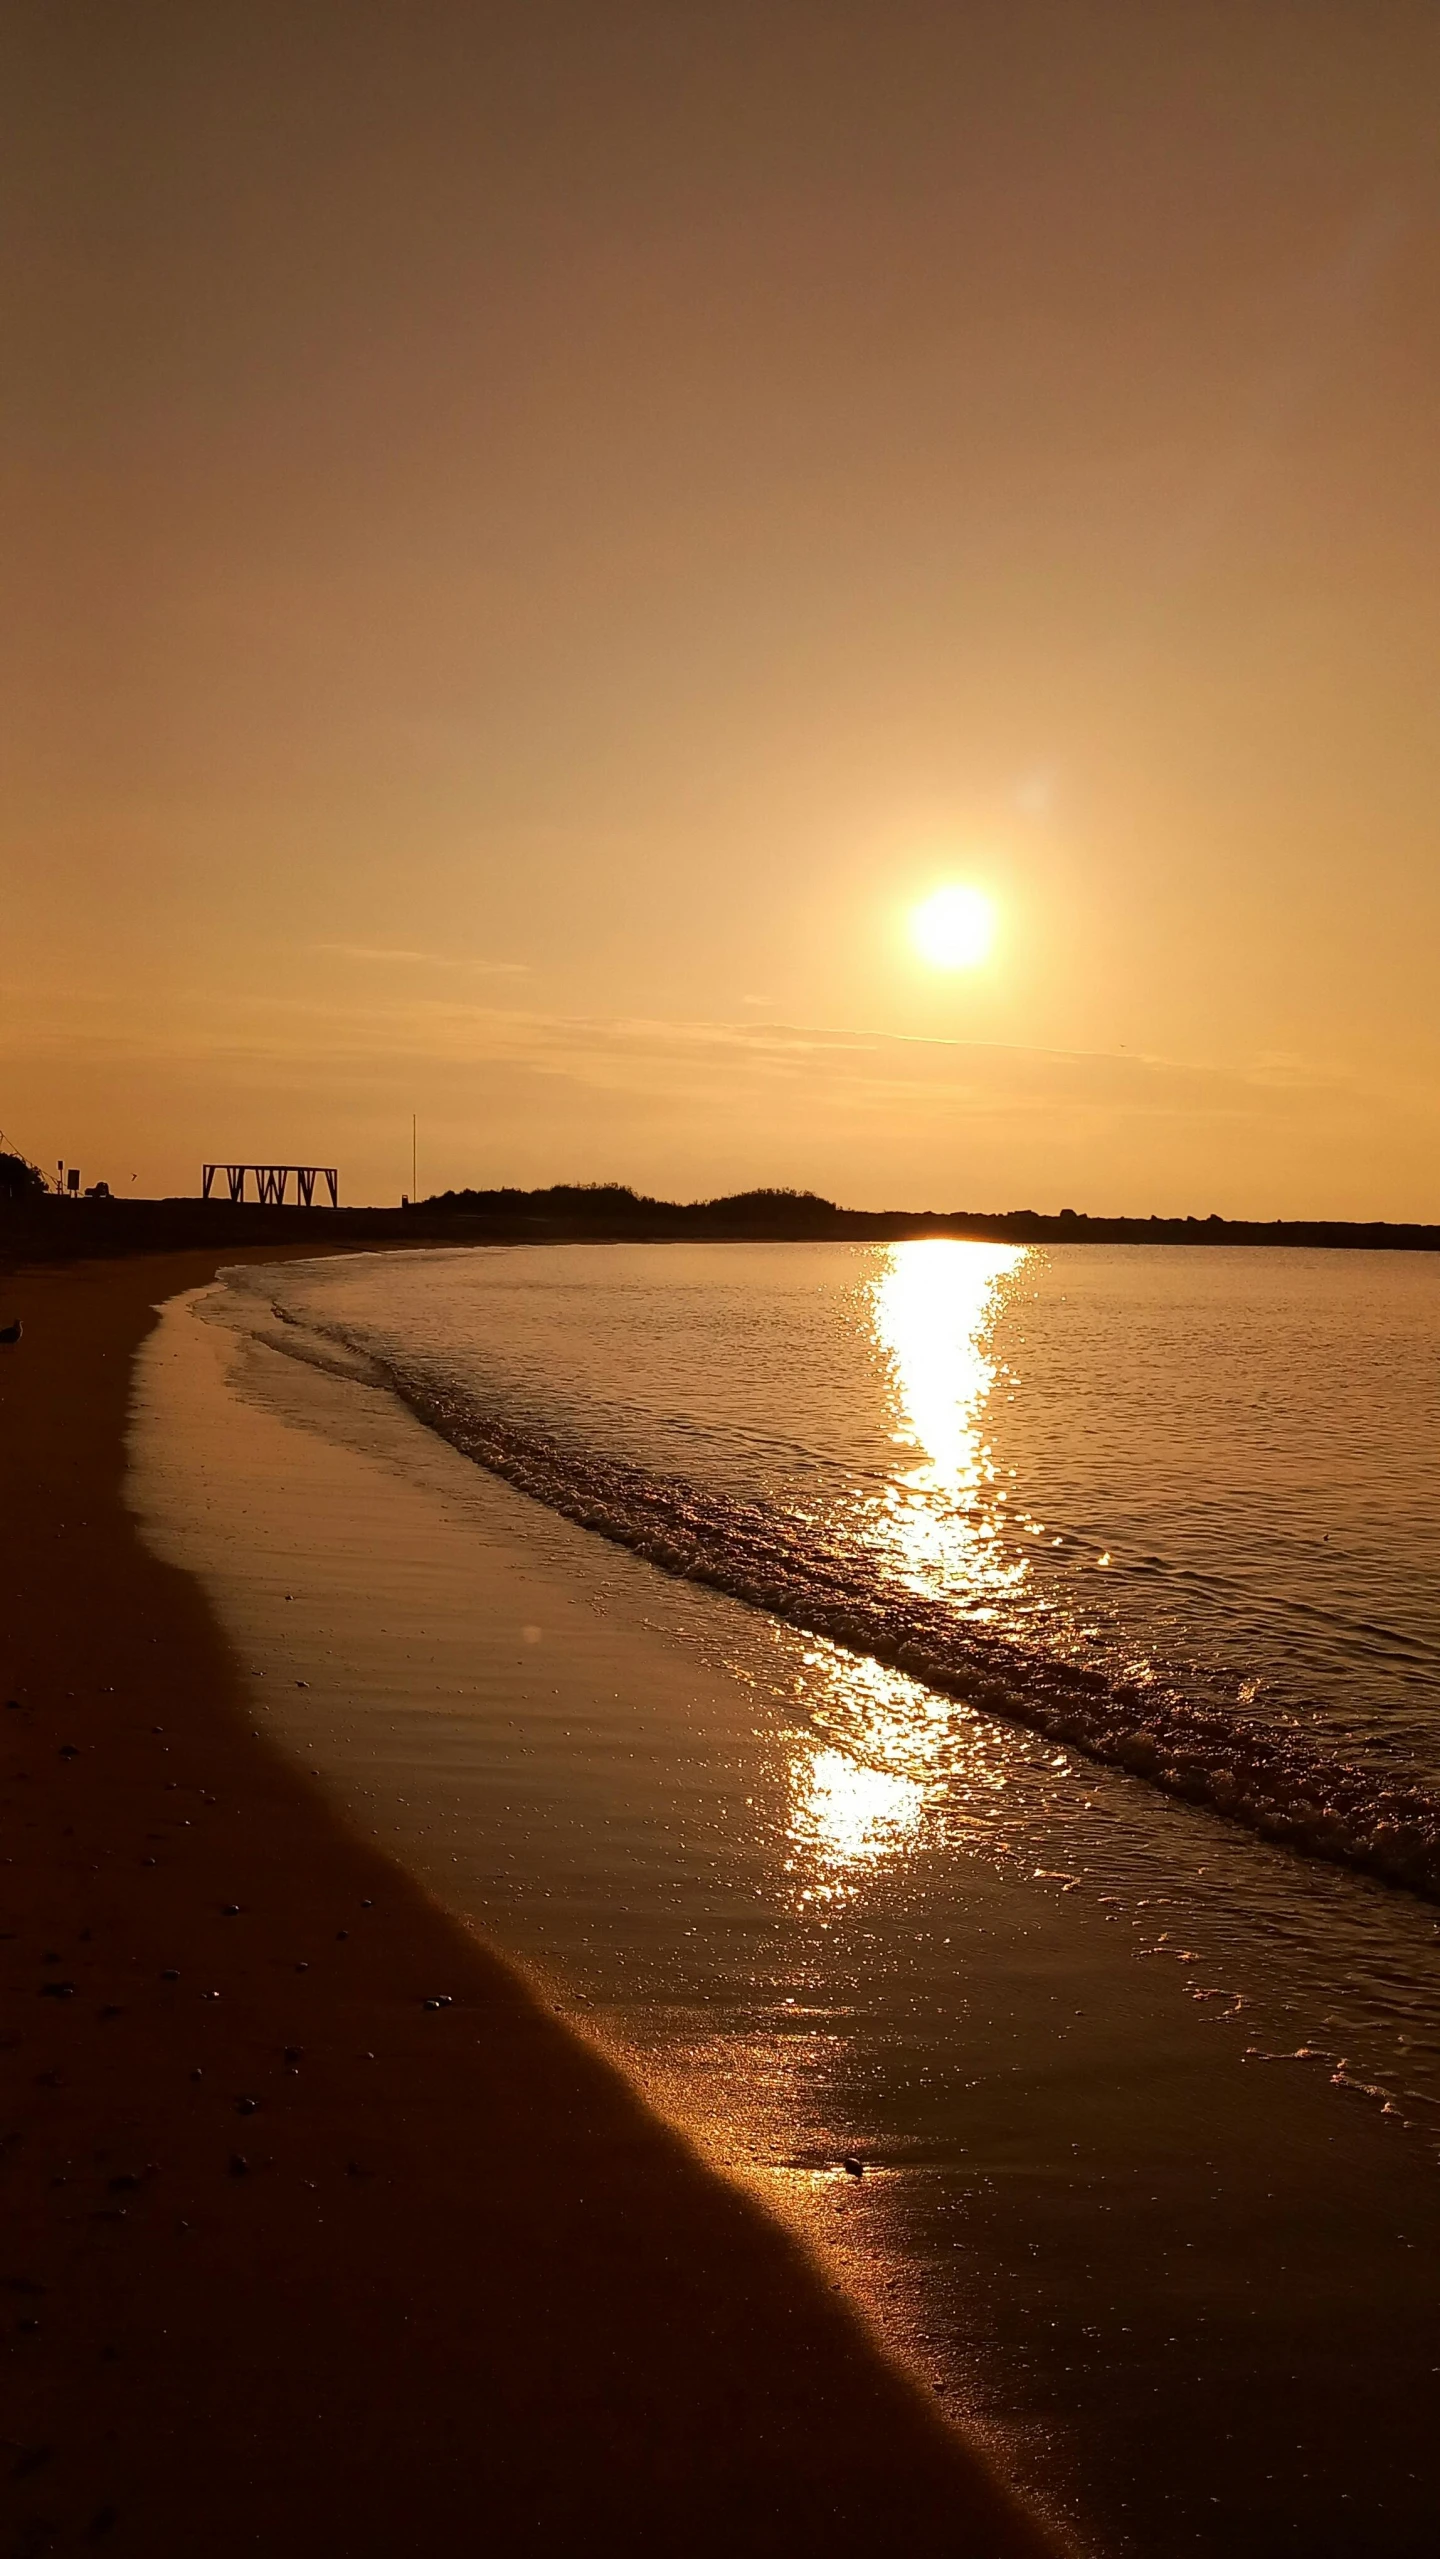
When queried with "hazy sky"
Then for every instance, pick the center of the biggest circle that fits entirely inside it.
(536, 533)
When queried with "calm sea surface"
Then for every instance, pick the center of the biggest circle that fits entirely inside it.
(1217, 1470)
(888, 1690)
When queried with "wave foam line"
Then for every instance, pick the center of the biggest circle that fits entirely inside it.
(1271, 1780)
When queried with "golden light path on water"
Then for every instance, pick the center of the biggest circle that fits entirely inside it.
(933, 1313)
(886, 1747)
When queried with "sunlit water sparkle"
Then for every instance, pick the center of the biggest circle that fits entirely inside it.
(895, 1449)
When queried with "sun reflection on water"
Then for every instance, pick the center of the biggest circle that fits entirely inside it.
(862, 1788)
(887, 1749)
(849, 1815)
(933, 1312)
(885, 1760)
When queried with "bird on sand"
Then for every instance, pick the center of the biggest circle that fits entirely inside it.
(11, 1332)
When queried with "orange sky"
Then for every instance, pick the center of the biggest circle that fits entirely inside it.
(534, 533)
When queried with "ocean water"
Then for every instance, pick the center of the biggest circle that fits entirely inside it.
(971, 1710)
(1179, 1508)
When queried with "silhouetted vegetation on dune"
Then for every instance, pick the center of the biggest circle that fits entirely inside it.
(612, 1204)
(612, 1209)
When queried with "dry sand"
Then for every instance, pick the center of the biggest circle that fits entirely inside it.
(294, 2261)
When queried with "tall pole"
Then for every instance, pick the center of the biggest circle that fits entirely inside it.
(414, 1161)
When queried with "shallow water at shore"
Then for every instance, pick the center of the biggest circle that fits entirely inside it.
(1103, 2062)
(1229, 1593)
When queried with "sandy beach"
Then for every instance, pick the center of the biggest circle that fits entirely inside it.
(321, 2233)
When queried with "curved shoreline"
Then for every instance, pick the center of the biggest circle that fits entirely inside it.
(464, 2286)
(1270, 1781)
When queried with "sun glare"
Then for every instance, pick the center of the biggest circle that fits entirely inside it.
(954, 928)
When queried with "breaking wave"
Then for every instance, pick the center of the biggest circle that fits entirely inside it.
(1271, 1779)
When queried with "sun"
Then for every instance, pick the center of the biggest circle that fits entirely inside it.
(954, 928)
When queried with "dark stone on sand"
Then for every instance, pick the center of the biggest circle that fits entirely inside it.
(247, 2105)
(230, 1910)
(239, 2164)
(57, 1990)
(444, 2001)
(68, 1750)
(853, 2167)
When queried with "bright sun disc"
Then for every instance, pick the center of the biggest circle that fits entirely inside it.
(954, 929)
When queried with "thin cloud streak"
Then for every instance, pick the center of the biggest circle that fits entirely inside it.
(611, 1051)
(427, 959)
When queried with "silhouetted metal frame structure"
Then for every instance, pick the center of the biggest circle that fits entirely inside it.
(271, 1181)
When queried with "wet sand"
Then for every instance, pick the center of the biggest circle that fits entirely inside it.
(295, 2259)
